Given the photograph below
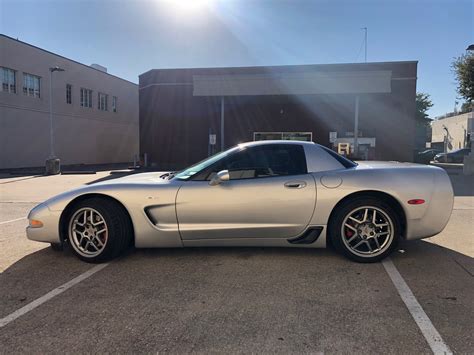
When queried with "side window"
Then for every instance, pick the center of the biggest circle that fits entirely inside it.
(281, 160)
(241, 165)
(262, 161)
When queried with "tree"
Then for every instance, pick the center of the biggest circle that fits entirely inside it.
(423, 104)
(463, 67)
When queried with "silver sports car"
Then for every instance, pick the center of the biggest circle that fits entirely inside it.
(268, 193)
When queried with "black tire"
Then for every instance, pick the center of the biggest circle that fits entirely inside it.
(335, 229)
(119, 231)
(57, 246)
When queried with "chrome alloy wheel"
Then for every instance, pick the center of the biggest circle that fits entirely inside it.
(88, 232)
(367, 231)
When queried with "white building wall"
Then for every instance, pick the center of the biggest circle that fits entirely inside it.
(82, 135)
(458, 126)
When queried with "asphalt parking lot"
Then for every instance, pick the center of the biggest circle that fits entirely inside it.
(230, 299)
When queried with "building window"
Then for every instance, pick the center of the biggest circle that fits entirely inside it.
(102, 101)
(8, 80)
(68, 93)
(114, 103)
(86, 97)
(31, 85)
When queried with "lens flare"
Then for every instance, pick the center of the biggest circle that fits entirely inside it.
(188, 5)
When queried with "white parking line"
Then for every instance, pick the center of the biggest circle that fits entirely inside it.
(13, 220)
(436, 343)
(39, 301)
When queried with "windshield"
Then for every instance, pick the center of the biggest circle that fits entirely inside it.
(192, 170)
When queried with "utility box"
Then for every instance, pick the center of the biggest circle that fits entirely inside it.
(53, 166)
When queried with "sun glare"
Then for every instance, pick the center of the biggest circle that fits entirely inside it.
(189, 5)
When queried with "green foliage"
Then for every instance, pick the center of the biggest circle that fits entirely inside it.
(466, 107)
(463, 67)
(423, 104)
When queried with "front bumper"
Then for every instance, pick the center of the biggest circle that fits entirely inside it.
(49, 232)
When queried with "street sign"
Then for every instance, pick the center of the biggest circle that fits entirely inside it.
(344, 148)
(212, 139)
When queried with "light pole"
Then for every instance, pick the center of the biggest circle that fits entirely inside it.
(365, 42)
(52, 164)
(356, 128)
(356, 114)
(51, 130)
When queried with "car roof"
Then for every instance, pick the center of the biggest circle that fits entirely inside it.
(266, 142)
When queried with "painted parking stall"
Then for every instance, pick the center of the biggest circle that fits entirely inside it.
(236, 299)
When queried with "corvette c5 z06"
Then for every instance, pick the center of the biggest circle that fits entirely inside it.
(267, 193)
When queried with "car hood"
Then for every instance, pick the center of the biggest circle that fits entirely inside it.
(130, 182)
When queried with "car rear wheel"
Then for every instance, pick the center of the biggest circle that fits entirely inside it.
(365, 229)
(98, 230)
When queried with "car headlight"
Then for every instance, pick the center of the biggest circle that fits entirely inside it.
(34, 217)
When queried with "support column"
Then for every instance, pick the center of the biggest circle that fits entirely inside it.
(222, 123)
(356, 128)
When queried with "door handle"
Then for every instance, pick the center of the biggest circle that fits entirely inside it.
(295, 184)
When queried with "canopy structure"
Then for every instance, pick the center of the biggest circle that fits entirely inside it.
(299, 83)
(187, 114)
(302, 83)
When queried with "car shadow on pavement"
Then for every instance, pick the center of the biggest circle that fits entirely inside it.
(42, 271)
(15, 178)
(36, 274)
(113, 175)
(48, 267)
(442, 281)
(208, 278)
(431, 256)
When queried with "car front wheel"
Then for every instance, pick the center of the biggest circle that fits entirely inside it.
(365, 230)
(98, 230)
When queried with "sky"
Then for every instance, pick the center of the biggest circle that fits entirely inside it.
(130, 37)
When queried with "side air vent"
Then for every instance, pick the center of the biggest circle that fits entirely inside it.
(150, 215)
(308, 237)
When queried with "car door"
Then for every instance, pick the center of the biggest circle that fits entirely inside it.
(269, 195)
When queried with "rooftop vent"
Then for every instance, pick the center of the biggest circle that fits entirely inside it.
(99, 67)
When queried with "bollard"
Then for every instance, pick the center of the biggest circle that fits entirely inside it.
(53, 166)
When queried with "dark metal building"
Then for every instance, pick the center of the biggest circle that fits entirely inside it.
(180, 108)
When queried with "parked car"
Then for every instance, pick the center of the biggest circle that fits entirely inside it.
(456, 156)
(427, 155)
(266, 193)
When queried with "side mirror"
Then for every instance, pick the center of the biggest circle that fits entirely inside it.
(222, 175)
